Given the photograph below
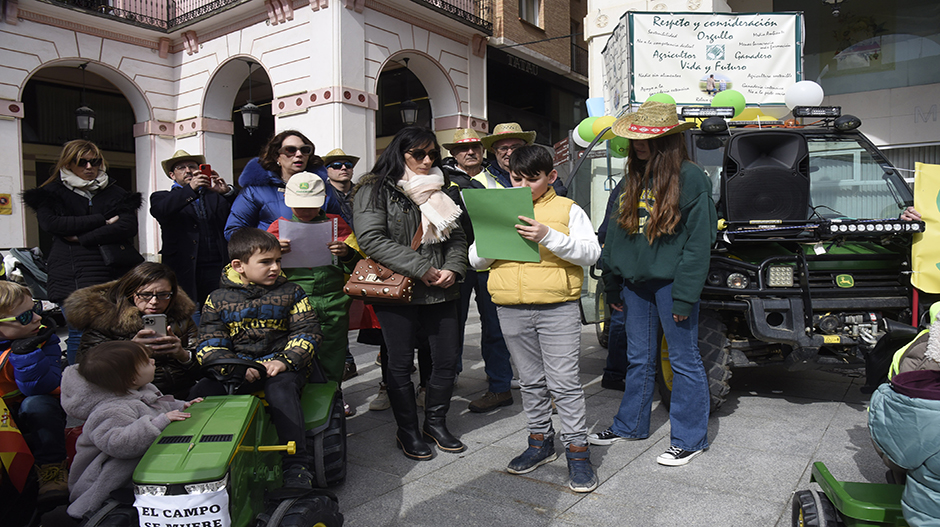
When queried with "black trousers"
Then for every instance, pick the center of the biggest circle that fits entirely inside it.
(282, 392)
(400, 326)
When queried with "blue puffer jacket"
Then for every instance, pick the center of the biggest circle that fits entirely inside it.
(261, 200)
(37, 372)
(906, 429)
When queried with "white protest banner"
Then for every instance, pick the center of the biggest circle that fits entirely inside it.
(756, 54)
(203, 510)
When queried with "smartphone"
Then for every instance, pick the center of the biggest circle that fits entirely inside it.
(155, 322)
(206, 169)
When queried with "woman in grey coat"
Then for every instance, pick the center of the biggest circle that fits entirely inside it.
(403, 193)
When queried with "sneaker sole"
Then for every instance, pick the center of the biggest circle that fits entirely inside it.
(545, 461)
(482, 410)
(596, 441)
(673, 462)
(582, 489)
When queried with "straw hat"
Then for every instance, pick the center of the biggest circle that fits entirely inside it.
(507, 131)
(305, 190)
(653, 119)
(337, 154)
(463, 136)
(179, 157)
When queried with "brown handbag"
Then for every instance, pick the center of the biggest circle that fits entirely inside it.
(373, 283)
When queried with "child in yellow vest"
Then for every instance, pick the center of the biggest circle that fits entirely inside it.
(537, 305)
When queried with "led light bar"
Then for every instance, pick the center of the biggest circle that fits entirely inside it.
(817, 111)
(870, 227)
(707, 111)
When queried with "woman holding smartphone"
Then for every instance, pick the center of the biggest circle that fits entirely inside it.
(143, 305)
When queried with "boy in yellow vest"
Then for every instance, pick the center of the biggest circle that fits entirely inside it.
(537, 304)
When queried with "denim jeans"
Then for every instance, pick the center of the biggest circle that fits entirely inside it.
(648, 305)
(74, 341)
(616, 367)
(43, 421)
(492, 346)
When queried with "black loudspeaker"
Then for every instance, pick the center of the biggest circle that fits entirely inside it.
(765, 176)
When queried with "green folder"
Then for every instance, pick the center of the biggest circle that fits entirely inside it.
(494, 214)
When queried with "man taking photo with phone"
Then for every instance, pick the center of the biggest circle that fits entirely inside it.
(192, 217)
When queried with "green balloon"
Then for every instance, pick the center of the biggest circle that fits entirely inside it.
(730, 98)
(585, 131)
(619, 146)
(664, 98)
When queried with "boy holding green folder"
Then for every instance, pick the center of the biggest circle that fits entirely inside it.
(537, 304)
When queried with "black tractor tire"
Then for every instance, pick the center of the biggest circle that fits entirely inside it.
(716, 357)
(314, 511)
(603, 333)
(812, 508)
(328, 448)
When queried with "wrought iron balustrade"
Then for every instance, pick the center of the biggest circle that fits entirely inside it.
(163, 15)
(474, 13)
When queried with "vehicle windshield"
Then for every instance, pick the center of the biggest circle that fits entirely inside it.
(846, 181)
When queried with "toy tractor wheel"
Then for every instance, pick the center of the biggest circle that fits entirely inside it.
(328, 448)
(716, 357)
(311, 510)
(812, 508)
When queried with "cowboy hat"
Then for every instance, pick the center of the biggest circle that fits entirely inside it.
(305, 190)
(337, 154)
(463, 136)
(653, 119)
(179, 157)
(507, 131)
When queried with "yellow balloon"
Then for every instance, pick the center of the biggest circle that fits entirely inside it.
(601, 123)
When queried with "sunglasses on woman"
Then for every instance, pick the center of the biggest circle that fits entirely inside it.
(25, 317)
(291, 150)
(147, 296)
(419, 154)
(95, 162)
(339, 165)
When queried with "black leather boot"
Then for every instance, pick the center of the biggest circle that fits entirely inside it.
(436, 404)
(406, 415)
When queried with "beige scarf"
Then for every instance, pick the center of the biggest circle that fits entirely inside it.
(83, 187)
(439, 213)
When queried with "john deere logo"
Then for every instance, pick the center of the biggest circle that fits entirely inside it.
(304, 186)
(845, 280)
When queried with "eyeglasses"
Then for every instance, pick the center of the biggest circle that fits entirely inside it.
(507, 148)
(182, 167)
(147, 296)
(95, 161)
(25, 317)
(305, 150)
(419, 154)
(339, 165)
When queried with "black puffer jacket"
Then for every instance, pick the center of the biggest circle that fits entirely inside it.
(62, 213)
(92, 311)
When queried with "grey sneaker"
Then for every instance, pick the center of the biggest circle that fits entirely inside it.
(381, 401)
(490, 401)
(541, 451)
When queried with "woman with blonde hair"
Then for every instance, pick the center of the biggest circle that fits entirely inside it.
(655, 261)
(90, 218)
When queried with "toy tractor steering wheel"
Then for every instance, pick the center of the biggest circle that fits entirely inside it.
(235, 376)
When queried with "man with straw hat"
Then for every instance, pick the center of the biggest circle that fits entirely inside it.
(466, 170)
(505, 139)
(192, 217)
(339, 170)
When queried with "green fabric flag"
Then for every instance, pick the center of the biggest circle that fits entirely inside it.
(494, 214)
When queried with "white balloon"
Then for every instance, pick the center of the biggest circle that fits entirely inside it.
(578, 140)
(804, 93)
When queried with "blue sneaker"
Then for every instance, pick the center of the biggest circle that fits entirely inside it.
(541, 451)
(581, 477)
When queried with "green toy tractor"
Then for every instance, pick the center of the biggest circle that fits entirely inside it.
(221, 467)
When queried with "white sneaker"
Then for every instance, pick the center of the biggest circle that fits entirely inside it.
(676, 457)
(381, 401)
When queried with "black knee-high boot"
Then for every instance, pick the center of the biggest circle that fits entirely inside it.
(437, 402)
(406, 415)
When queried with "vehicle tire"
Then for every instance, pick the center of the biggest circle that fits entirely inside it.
(811, 508)
(328, 448)
(314, 511)
(716, 357)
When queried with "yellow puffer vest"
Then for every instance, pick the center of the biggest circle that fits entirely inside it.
(550, 281)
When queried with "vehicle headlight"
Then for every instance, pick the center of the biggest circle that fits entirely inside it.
(737, 281)
(208, 486)
(150, 490)
(780, 276)
(852, 227)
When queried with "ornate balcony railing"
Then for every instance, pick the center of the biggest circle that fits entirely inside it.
(474, 13)
(579, 60)
(162, 15)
